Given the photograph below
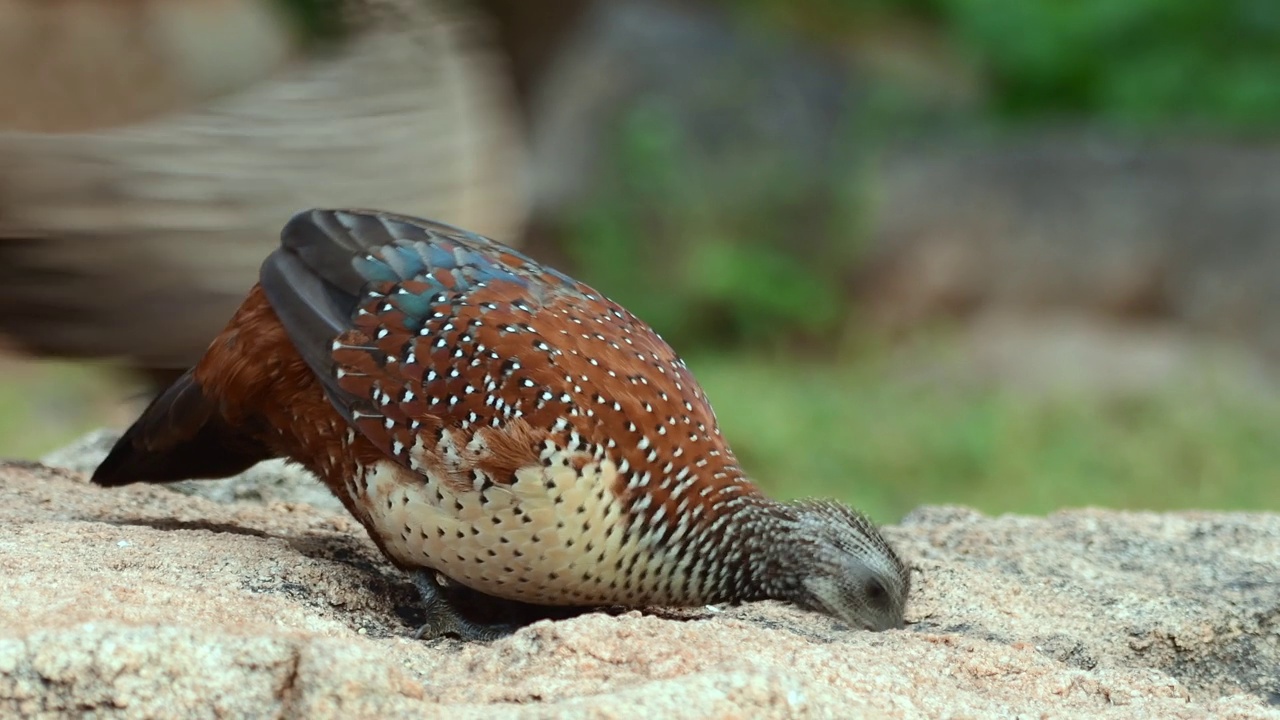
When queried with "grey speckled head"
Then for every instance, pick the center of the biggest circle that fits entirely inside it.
(836, 562)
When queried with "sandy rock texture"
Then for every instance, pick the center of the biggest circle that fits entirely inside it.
(145, 602)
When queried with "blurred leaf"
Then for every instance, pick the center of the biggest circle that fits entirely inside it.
(1140, 62)
(320, 23)
(708, 253)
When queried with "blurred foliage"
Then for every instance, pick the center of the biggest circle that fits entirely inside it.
(769, 269)
(319, 23)
(765, 268)
(1143, 63)
(729, 250)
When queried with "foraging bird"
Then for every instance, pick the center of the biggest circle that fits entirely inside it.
(496, 422)
(148, 150)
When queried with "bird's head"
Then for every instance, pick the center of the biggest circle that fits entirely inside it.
(836, 562)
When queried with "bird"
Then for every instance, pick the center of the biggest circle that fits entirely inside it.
(149, 149)
(496, 424)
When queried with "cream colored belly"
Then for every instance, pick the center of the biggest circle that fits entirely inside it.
(554, 536)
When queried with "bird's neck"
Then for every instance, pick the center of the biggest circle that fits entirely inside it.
(752, 544)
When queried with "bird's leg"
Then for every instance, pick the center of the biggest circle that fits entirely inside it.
(444, 619)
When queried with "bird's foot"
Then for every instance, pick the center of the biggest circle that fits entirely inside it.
(444, 619)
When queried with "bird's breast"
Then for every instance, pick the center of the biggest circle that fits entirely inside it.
(555, 533)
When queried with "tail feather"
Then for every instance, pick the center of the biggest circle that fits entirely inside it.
(181, 435)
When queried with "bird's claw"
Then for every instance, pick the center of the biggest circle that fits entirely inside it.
(444, 619)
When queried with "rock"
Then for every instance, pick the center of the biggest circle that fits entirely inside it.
(1056, 354)
(1195, 595)
(141, 602)
(1174, 228)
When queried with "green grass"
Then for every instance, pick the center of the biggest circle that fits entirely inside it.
(889, 446)
(45, 405)
(861, 433)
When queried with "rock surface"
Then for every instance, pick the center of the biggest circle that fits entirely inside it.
(144, 602)
(1077, 220)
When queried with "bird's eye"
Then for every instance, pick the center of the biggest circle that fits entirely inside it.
(875, 591)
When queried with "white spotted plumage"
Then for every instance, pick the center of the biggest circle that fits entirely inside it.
(541, 443)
